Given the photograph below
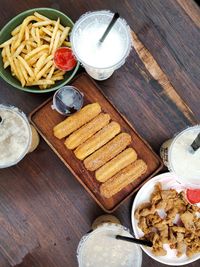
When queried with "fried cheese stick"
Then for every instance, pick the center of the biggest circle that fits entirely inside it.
(107, 152)
(87, 130)
(97, 140)
(77, 120)
(123, 178)
(112, 167)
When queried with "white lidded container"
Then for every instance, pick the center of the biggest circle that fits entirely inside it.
(100, 60)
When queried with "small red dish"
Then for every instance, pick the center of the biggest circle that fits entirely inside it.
(64, 59)
(193, 195)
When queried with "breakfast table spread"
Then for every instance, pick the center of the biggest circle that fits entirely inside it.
(50, 199)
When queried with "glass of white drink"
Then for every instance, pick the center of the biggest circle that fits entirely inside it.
(181, 159)
(100, 248)
(100, 60)
(17, 137)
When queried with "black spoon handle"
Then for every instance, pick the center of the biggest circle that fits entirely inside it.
(135, 240)
(196, 143)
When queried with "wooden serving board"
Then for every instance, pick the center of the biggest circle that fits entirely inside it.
(44, 119)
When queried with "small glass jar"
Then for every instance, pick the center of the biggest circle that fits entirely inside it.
(67, 100)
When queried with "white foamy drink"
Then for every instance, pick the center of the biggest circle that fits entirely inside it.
(100, 59)
(15, 136)
(102, 55)
(183, 160)
(102, 249)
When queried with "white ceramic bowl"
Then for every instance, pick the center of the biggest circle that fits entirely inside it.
(168, 180)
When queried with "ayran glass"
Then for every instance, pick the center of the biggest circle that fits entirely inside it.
(17, 136)
(100, 248)
(100, 60)
(181, 159)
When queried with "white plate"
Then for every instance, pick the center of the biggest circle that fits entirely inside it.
(168, 180)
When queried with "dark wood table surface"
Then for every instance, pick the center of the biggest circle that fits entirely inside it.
(44, 211)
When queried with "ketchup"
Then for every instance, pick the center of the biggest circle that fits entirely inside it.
(64, 59)
(193, 195)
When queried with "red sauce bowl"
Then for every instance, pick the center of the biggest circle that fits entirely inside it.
(64, 59)
(193, 195)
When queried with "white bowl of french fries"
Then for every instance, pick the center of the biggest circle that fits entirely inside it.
(28, 43)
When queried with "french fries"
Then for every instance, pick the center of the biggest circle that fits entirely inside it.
(29, 52)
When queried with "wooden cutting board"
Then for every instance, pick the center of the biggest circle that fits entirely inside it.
(44, 119)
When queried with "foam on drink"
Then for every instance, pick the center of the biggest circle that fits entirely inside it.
(102, 249)
(102, 55)
(15, 136)
(182, 160)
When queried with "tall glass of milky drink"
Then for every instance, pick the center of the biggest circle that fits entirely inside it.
(17, 138)
(100, 60)
(183, 160)
(100, 248)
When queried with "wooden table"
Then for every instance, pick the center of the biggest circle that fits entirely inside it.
(44, 211)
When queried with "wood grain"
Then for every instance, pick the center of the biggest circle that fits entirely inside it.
(39, 198)
(172, 37)
(192, 9)
(44, 119)
(156, 72)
